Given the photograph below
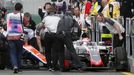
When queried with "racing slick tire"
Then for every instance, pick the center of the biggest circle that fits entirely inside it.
(121, 60)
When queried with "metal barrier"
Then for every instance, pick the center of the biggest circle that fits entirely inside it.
(97, 32)
(121, 20)
(132, 45)
(128, 31)
(132, 37)
(93, 30)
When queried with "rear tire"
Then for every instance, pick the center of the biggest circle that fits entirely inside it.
(121, 60)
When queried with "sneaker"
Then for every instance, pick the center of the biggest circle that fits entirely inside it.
(15, 70)
(50, 69)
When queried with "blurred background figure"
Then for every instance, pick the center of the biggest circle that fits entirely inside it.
(126, 8)
(111, 8)
(79, 17)
(3, 13)
(87, 8)
(61, 6)
(4, 54)
(43, 11)
(95, 7)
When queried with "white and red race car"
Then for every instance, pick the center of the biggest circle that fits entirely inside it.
(101, 55)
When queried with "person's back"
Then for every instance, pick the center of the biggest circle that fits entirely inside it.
(49, 25)
(14, 32)
(54, 47)
(65, 24)
(14, 24)
(64, 27)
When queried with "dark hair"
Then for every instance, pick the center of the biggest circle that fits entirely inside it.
(85, 35)
(69, 13)
(27, 14)
(18, 6)
(100, 14)
(48, 3)
(52, 10)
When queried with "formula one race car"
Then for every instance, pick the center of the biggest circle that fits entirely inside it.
(101, 55)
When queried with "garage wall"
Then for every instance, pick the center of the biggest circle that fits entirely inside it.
(32, 5)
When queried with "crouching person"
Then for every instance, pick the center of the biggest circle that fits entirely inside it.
(114, 27)
(30, 39)
(29, 27)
